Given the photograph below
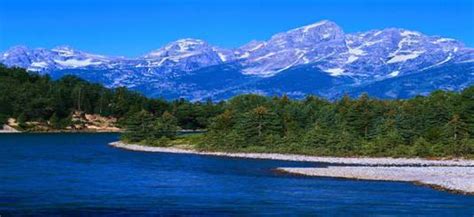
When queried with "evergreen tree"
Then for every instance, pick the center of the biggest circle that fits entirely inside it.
(421, 148)
(224, 122)
(318, 138)
(55, 122)
(139, 127)
(360, 117)
(467, 109)
(165, 126)
(3, 120)
(258, 123)
(456, 129)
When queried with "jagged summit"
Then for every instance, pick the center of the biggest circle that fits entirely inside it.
(317, 26)
(179, 46)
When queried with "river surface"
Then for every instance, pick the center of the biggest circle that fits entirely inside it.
(79, 174)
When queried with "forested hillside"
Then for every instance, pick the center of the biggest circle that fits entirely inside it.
(30, 97)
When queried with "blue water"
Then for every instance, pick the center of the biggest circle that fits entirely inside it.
(79, 174)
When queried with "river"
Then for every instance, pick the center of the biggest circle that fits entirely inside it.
(79, 174)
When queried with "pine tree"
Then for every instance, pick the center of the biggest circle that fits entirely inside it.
(317, 137)
(139, 127)
(3, 120)
(165, 126)
(467, 109)
(361, 115)
(258, 123)
(421, 147)
(456, 129)
(55, 121)
(224, 122)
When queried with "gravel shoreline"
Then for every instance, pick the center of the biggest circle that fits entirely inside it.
(304, 158)
(456, 179)
(455, 175)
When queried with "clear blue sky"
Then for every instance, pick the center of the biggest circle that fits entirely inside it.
(134, 27)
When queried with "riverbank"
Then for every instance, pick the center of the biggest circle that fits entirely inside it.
(80, 123)
(455, 175)
(59, 131)
(7, 129)
(305, 158)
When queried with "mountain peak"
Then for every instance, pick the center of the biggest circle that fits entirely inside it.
(178, 47)
(14, 51)
(320, 31)
(17, 48)
(190, 41)
(313, 26)
(186, 44)
(63, 48)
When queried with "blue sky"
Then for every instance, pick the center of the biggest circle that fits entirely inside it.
(134, 27)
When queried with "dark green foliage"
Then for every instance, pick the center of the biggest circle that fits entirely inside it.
(434, 126)
(144, 127)
(3, 120)
(165, 126)
(31, 97)
(467, 109)
(421, 148)
(317, 138)
(258, 125)
(139, 127)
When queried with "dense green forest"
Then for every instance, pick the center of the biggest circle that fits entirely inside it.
(31, 97)
(441, 124)
(438, 125)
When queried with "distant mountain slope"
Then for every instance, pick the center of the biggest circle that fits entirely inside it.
(314, 59)
(454, 77)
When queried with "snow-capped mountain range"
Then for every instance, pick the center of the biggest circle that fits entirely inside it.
(314, 59)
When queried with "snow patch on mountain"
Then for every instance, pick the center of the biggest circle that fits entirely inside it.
(443, 40)
(404, 57)
(394, 73)
(41, 64)
(335, 71)
(265, 56)
(356, 51)
(75, 63)
(409, 33)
